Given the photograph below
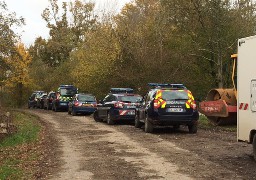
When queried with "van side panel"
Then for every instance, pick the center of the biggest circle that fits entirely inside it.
(246, 87)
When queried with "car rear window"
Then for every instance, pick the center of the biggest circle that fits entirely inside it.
(68, 91)
(174, 95)
(130, 98)
(87, 98)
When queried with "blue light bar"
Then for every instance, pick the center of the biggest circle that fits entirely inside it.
(166, 85)
(121, 90)
(66, 85)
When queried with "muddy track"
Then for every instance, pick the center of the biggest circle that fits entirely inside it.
(86, 149)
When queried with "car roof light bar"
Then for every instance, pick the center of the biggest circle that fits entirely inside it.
(166, 85)
(121, 90)
(67, 86)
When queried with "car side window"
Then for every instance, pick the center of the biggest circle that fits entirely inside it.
(52, 95)
(113, 98)
(106, 99)
(33, 96)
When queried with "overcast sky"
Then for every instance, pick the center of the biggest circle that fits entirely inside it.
(35, 26)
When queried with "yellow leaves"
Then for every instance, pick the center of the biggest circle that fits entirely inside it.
(18, 65)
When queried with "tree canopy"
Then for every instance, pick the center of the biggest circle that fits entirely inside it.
(167, 41)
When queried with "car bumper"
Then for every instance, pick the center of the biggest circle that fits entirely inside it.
(123, 114)
(175, 119)
(84, 109)
(62, 105)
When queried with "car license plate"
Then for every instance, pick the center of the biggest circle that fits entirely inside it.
(63, 104)
(130, 107)
(87, 105)
(175, 110)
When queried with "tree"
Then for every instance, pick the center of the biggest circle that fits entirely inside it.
(213, 27)
(8, 38)
(65, 32)
(17, 74)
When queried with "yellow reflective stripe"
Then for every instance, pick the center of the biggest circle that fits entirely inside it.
(188, 104)
(163, 105)
(158, 94)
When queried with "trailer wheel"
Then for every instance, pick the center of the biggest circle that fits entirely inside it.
(254, 146)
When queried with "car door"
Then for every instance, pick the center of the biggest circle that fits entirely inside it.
(106, 105)
(71, 102)
(32, 100)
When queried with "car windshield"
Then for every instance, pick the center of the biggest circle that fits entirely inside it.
(130, 99)
(68, 91)
(38, 95)
(88, 98)
(174, 95)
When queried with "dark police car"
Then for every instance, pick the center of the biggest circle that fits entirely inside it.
(63, 96)
(32, 100)
(120, 104)
(168, 105)
(48, 100)
(82, 103)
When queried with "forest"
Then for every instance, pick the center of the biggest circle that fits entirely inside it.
(163, 41)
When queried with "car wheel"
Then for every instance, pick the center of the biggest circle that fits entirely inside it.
(54, 108)
(148, 125)
(73, 112)
(69, 112)
(192, 128)
(137, 122)
(254, 146)
(96, 117)
(176, 127)
(109, 120)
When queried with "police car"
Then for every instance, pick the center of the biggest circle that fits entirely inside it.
(120, 104)
(63, 96)
(167, 105)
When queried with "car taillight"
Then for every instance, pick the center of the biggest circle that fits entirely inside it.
(156, 104)
(76, 103)
(119, 105)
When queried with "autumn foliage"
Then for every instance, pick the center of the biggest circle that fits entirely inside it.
(174, 41)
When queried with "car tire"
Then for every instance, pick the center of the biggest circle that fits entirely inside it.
(69, 112)
(254, 147)
(137, 122)
(96, 117)
(192, 128)
(109, 120)
(54, 108)
(73, 112)
(148, 125)
(176, 127)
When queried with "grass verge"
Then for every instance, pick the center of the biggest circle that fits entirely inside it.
(204, 123)
(19, 153)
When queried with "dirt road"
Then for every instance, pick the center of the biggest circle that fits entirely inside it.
(84, 149)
